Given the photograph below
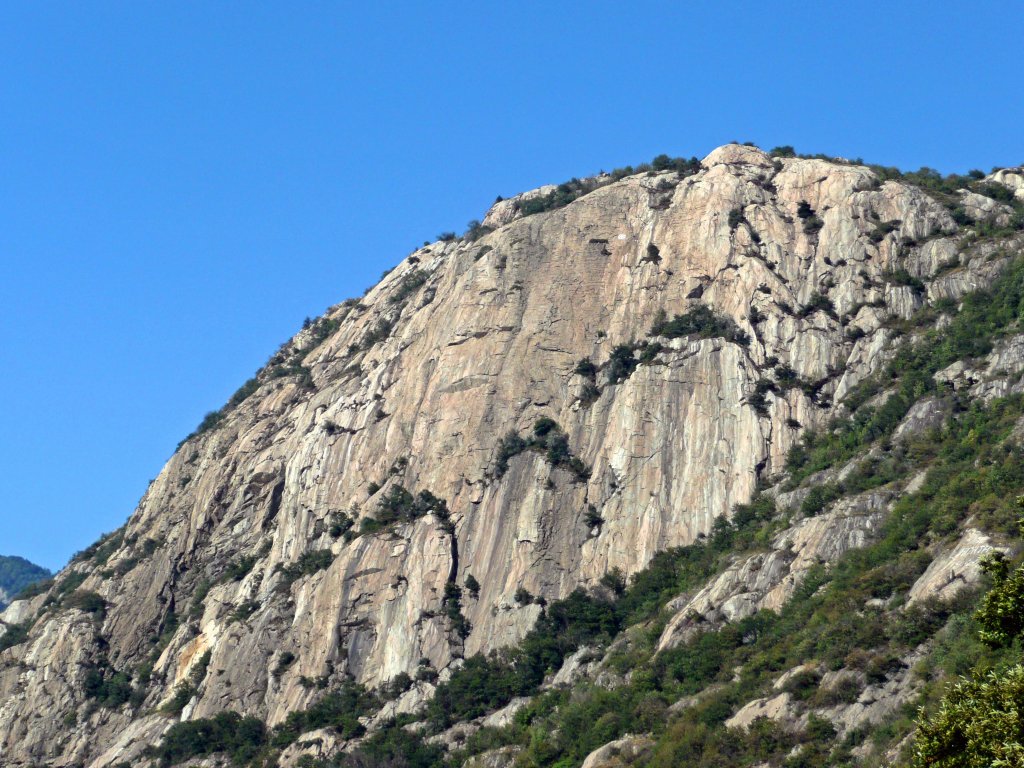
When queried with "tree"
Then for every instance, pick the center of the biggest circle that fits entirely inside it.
(472, 586)
(980, 721)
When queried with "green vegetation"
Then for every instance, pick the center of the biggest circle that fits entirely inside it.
(575, 188)
(399, 506)
(475, 230)
(247, 740)
(979, 720)
(702, 322)
(14, 634)
(591, 392)
(472, 586)
(307, 564)
(108, 687)
(410, 283)
(339, 710)
(241, 738)
(547, 438)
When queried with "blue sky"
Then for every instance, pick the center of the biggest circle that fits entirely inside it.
(182, 183)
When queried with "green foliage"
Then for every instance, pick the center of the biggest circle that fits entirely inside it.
(575, 188)
(285, 660)
(399, 506)
(475, 230)
(902, 277)
(980, 723)
(395, 746)
(882, 229)
(410, 283)
(339, 710)
(341, 524)
(559, 197)
(101, 550)
(819, 497)
(586, 369)
(107, 687)
(621, 363)
(818, 303)
(1001, 612)
(484, 683)
(244, 610)
(183, 694)
(87, 601)
(227, 732)
(307, 564)
(14, 634)
(547, 438)
(983, 318)
(702, 322)
(239, 568)
(452, 604)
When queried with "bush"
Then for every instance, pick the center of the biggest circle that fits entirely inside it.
(475, 230)
(399, 506)
(818, 303)
(88, 602)
(339, 710)
(549, 439)
(523, 596)
(307, 564)
(410, 283)
(812, 225)
(15, 634)
(228, 732)
(586, 369)
(702, 322)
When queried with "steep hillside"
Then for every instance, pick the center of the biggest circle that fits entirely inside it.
(532, 440)
(16, 573)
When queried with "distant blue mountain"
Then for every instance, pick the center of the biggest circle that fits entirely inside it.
(16, 573)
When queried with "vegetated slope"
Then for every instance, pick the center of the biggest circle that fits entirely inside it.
(518, 455)
(16, 573)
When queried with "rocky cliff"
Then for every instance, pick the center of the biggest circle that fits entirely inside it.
(563, 394)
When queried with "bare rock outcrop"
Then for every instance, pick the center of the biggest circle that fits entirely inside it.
(954, 569)
(621, 753)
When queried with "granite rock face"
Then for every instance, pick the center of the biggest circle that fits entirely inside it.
(236, 575)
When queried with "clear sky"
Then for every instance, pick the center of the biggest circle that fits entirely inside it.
(181, 183)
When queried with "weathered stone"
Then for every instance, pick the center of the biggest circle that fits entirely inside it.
(629, 750)
(779, 708)
(953, 569)
(929, 413)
